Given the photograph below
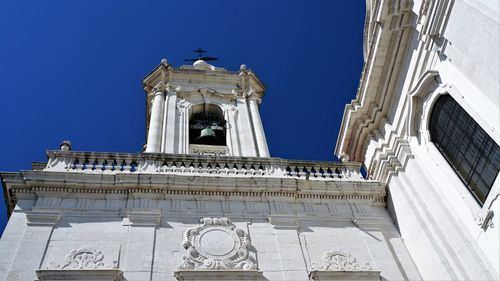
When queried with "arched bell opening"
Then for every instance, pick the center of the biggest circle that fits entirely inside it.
(207, 125)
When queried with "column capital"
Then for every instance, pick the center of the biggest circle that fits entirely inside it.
(253, 96)
(159, 88)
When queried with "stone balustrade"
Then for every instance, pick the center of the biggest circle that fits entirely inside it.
(113, 163)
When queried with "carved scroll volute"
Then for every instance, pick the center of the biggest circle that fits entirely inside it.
(83, 258)
(334, 260)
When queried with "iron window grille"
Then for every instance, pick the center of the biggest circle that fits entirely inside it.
(471, 152)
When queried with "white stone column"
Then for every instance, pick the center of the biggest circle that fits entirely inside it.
(169, 126)
(257, 125)
(156, 122)
(246, 135)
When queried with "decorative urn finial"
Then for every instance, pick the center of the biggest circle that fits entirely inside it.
(65, 145)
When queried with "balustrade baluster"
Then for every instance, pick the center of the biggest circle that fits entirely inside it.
(338, 173)
(99, 164)
(79, 164)
(117, 163)
(127, 165)
(169, 166)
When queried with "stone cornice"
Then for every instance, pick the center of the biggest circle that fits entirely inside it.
(253, 81)
(28, 182)
(390, 35)
(33, 184)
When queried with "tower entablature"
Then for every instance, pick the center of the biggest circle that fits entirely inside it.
(203, 109)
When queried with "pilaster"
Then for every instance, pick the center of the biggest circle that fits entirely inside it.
(287, 240)
(246, 136)
(33, 244)
(141, 243)
(169, 131)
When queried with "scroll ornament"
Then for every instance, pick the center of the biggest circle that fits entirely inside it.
(334, 260)
(83, 258)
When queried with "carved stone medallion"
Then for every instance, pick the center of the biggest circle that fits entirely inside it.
(216, 244)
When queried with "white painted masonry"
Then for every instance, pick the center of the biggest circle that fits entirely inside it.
(184, 211)
(198, 217)
(416, 51)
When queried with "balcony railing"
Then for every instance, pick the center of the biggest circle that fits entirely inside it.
(113, 163)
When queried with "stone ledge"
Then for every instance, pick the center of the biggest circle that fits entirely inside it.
(205, 275)
(142, 217)
(368, 275)
(43, 218)
(87, 274)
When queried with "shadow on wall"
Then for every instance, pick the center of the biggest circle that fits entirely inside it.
(3, 211)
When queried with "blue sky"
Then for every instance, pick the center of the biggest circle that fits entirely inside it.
(73, 69)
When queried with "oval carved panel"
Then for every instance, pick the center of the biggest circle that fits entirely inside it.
(216, 244)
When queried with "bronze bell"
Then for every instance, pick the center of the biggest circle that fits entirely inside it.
(207, 136)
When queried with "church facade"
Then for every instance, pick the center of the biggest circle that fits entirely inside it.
(205, 201)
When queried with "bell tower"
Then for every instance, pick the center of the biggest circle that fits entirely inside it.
(203, 109)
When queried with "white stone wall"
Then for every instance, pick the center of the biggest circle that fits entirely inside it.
(288, 238)
(473, 31)
(449, 47)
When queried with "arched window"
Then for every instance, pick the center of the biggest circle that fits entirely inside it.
(471, 152)
(207, 125)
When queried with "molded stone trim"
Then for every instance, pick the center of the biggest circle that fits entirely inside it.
(94, 275)
(202, 275)
(415, 101)
(325, 275)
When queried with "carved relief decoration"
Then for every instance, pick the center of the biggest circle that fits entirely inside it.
(216, 244)
(83, 258)
(208, 149)
(182, 106)
(334, 260)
